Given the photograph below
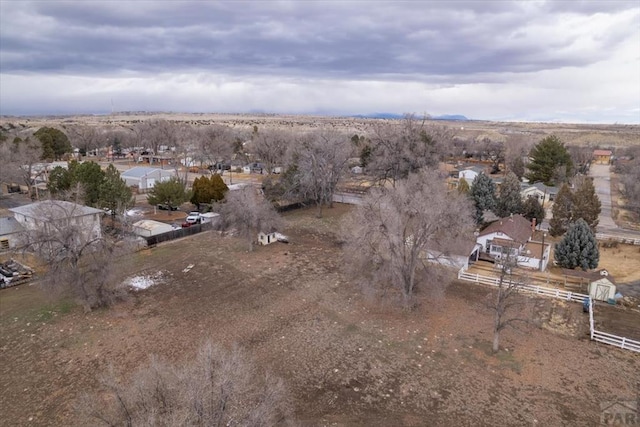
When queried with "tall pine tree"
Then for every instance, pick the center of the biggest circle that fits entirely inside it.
(547, 158)
(483, 195)
(586, 204)
(562, 212)
(509, 199)
(578, 248)
(115, 195)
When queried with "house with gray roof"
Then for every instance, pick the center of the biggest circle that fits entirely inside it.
(544, 193)
(51, 214)
(144, 177)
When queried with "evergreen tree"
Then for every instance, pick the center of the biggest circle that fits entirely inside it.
(483, 195)
(54, 143)
(219, 188)
(170, 193)
(208, 190)
(562, 212)
(115, 195)
(578, 248)
(547, 158)
(509, 199)
(60, 180)
(78, 180)
(90, 176)
(532, 208)
(586, 203)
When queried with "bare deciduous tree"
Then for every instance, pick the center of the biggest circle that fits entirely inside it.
(85, 137)
(159, 133)
(79, 258)
(321, 159)
(507, 300)
(247, 212)
(404, 148)
(19, 158)
(270, 147)
(390, 235)
(217, 388)
(213, 144)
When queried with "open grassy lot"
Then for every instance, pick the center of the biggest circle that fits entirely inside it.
(348, 359)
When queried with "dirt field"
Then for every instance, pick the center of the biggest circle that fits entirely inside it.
(348, 360)
(617, 320)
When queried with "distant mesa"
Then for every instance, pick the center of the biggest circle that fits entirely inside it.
(452, 117)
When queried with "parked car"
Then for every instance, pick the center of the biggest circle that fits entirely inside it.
(186, 224)
(193, 219)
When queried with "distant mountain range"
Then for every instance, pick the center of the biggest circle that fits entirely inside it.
(455, 117)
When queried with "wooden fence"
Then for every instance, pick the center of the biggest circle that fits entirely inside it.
(178, 233)
(620, 239)
(603, 337)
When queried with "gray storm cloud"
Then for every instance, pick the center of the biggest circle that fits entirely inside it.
(351, 57)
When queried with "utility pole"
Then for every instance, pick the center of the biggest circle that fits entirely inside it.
(542, 252)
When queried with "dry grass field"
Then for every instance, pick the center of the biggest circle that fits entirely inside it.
(348, 359)
(589, 135)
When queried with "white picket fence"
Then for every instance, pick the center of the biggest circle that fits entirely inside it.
(539, 290)
(603, 337)
(621, 239)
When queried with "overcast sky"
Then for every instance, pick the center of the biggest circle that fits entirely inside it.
(568, 61)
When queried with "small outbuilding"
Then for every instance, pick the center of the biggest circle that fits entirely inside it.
(209, 217)
(602, 288)
(149, 227)
(602, 157)
(267, 238)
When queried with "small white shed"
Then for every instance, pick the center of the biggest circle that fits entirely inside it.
(209, 217)
(149, 227)
(602, 289)
(267, 238)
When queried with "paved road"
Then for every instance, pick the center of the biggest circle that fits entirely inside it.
(602, 183)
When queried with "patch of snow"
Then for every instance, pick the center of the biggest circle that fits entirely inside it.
(143, 282)
(134, 212)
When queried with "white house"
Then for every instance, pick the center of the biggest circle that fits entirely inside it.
(144, 178)
(534, 255)
(49, 214)
(148, 228)
(544, 193)
(512, 235)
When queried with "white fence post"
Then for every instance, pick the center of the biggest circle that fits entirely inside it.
(591, 325)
